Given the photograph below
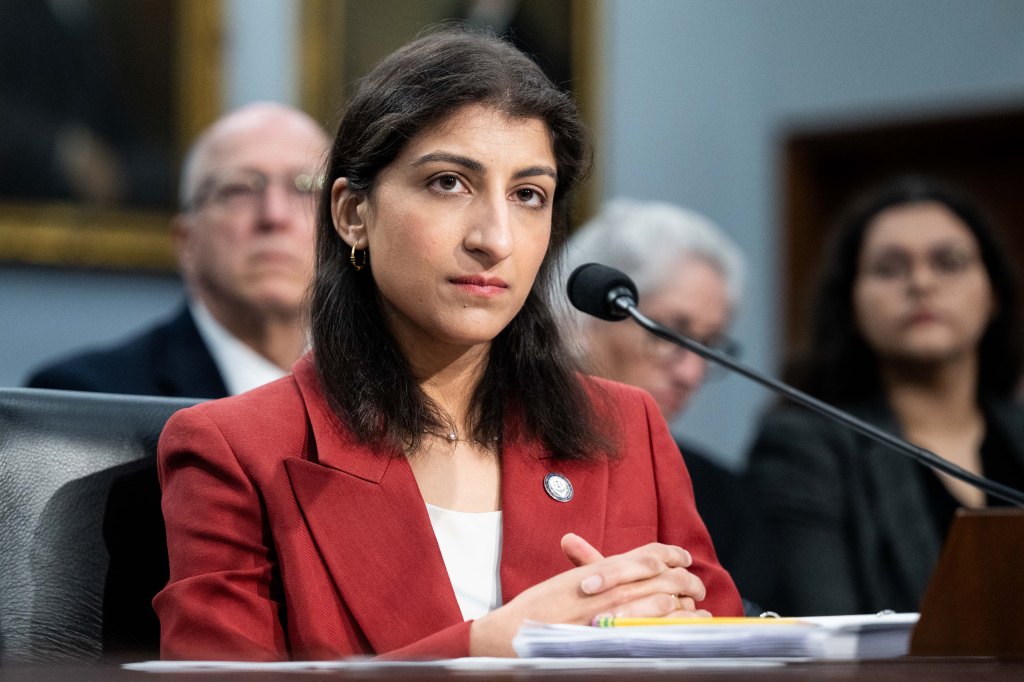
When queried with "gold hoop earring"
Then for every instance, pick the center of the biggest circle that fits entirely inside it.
(355, 262)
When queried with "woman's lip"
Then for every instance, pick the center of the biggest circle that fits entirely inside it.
(922, 317)
(480, 286)
(480, 281)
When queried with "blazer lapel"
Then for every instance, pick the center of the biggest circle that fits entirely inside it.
(534, 522)
(911, 536)
(366, 516)
(365, 513)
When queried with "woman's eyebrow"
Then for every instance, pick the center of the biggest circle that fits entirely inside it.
(534, 171)
(477, 167)
(458, 159)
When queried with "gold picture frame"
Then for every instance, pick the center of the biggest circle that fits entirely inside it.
(76, 235)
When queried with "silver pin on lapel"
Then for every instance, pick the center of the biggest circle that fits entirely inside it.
(558, 487)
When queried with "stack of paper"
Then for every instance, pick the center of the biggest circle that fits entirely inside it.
(827, 637)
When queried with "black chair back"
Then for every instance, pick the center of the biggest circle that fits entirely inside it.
(81, 536)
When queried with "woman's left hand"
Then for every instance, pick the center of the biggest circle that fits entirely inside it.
(648, 581)
(581, 553)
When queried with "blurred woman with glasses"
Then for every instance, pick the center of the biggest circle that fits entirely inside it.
(915, 329)
(689, 277)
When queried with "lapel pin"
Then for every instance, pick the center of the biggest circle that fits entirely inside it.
(558, 487)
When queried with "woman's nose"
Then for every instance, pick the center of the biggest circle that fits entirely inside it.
(490, 229)
(921, 276)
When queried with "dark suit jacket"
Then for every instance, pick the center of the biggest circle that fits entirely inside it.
(312, 544)
(847, 522)
(723, 503)
(169, 359)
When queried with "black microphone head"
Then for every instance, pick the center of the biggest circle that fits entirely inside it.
(594, 288)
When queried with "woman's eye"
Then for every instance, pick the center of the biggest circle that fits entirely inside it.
(447, 183)
(530, 196)
(950, 262)
(886, 270)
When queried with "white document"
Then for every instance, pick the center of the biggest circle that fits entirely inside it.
(822, 637)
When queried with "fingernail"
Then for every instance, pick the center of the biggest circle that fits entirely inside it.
(591, 584)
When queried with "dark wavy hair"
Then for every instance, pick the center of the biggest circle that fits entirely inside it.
(367, 380)
(838, 365)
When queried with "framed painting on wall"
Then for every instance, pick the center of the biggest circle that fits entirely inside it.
(98, 100)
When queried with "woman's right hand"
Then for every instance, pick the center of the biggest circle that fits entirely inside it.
(649, 581)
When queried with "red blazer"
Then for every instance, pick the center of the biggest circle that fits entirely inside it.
(289, 539)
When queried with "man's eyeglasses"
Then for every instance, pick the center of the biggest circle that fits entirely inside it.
(247, 190)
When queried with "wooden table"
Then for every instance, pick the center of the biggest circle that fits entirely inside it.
(917, 669)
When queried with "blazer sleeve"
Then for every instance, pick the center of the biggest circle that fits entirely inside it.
(678, 520)
(219, 602)
(804, 555)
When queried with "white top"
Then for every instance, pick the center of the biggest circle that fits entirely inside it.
(470, 544)
(241, 367)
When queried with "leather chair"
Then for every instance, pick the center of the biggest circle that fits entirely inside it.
(82, 546)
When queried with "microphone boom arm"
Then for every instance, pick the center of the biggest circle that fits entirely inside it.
(626, 304)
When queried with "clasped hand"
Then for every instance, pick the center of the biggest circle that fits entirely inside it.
(649, 581)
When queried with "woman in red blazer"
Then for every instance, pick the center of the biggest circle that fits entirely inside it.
(435, 471)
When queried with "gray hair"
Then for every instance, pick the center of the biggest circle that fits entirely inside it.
(647, 240)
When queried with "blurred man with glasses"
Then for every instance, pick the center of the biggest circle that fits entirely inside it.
(688, 273)
(244, 239)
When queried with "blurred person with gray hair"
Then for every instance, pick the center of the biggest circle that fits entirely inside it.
(244, 241)
(244, 238)
(689, 275)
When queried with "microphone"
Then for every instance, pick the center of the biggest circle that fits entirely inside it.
(610, 294)
(602, 291)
